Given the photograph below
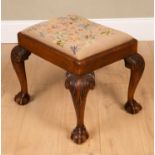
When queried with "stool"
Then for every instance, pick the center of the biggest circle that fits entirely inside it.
(79, 46)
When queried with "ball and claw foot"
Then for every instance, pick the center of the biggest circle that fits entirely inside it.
(22, 98)
(79, 135)
(133, 107)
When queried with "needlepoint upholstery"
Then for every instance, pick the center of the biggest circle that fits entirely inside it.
(76, 36)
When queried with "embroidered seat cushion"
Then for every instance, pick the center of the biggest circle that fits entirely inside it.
(76, 36)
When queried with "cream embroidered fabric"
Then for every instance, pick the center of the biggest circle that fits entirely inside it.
(77, 36)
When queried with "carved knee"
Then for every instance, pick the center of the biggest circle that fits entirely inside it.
(19, 54)
(135, 62)
(79, 86)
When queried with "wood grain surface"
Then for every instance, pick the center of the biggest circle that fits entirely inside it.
(43, 126)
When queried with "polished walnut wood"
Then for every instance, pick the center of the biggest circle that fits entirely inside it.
(79, 85)
(80, 77)
(73, 65)
(136, 64)
(18, 56)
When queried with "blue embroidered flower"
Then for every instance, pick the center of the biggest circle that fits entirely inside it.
(84, 26)
(74, 49)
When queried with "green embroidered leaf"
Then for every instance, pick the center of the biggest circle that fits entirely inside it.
(106, 32)
(103, 32)
(91, 36)
(60, 43)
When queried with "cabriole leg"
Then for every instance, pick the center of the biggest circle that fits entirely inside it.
(18, 56)
(136, 64)
(79, 86)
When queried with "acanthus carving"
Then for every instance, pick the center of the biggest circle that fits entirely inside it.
(79, 85)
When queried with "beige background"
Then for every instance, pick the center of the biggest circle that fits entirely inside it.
(45, 9)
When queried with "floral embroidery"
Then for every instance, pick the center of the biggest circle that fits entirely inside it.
(73, 33)
(74, 49)
(83, 26)
(60, 43)
(90, 36)
(106, 32)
